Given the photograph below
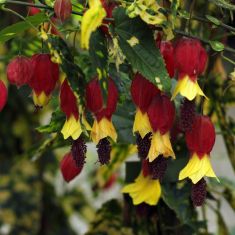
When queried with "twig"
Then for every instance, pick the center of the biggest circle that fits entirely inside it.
(229, 49)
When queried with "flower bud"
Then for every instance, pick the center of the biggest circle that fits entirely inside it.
(68, 168)
(19, 71)
(3, 95)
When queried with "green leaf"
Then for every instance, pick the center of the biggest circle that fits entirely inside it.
(11, 31)
(98, 52)
(223, 4)
(2, 1)
(213, 20)
(216, 46)
(138, 45)
(56, 123)
(74, 73)
(177, 197)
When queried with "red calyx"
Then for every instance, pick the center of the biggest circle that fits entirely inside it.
(69, 168)
(68, 101)
(63, 9)
(45, 74)
(33, 10)
(108, 6)
(19, 71)
(167, 51)
(161, 113)
(142, 92)
(201, 138)
(190, 58)
(94, 99)
(3, 95)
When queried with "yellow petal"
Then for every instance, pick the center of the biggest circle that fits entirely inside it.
(40, 100)
(72, 127)
(197, 168)
(160, 144)
(187, 88)
(91, 20)
(144, 189)
(141, 124)
(102, 129)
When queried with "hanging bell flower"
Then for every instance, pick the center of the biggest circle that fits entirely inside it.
(68, 104)
(44, 78)
(167, 51)
(161, 113)
(190, 61)
(63, 9)
(103, 126)
(142, 92)
(3, 95)
(200, 141)
(144, 189)
(68, 168)
(19, 71)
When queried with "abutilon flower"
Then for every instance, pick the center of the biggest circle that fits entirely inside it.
(144, 189)
(44, 78)
(68, 104)
(68, 168)
(102, 127)
(142, 92)
(19, 71)
(190, 61)
(200, 141)
(3, 95)
(63, 9)
(167, 51)
(161, 113)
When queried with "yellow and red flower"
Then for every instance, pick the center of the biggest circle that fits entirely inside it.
(190, 62)
(142, 92)
(68, 103)
(102, 126)
(144, 189)
(200, 141)
(161, 113)
(44, 78)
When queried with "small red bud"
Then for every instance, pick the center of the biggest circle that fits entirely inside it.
(3, 95)
(69, 168)
(63, 9)
(19, 71)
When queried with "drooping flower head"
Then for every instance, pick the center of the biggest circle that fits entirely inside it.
(142, 92)
(200, 141)
(44, 78)
(190, 61)
(144, 189)
(68, 104)
(3, 95)
(68, 168)
(19, 71)
(161, 113)
(63, 9)
(167, 51)
(102, 126)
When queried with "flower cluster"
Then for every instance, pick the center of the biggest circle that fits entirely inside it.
(154, 120)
